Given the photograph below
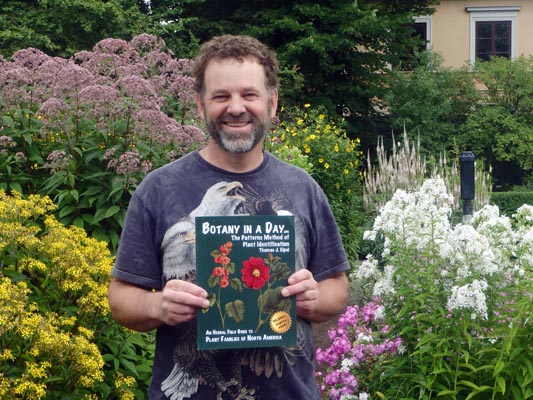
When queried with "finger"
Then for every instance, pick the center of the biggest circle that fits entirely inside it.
(300, 275)
(185, 299)
(300, 287)
(187, 287)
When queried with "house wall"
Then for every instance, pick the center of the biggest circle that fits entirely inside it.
(450, 28)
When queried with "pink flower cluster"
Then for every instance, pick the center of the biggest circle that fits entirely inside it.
(136, 93)
(357, 342)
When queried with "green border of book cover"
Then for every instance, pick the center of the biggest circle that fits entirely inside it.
(243, 262)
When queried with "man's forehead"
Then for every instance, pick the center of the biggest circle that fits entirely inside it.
(253, 70)
(234, 60)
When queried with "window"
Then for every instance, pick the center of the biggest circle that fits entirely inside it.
(492, 32)
(422, 27)
(421, 41)
(493, 38)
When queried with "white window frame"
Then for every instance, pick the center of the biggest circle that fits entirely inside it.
(494, 13)
(426, 19)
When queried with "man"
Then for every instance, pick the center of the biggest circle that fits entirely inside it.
(154, 274)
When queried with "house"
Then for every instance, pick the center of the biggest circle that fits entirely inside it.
(465, 30)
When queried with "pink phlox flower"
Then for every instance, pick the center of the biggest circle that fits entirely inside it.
(101, 99)
(157, 60)
(70, 80)
(111, 46)
(182, 89)
(14, 81)
(7, 141)
(343, 383)
(146, 42)
(128, 163)
(57, 160)
(138, 89)
(29, 58)
(350, 317)
(53, 113)
(193, 134)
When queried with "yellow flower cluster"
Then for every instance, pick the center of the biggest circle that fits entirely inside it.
(47, 340)
(125, 386)
(327, 145)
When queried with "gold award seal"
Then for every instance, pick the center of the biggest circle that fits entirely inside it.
(280, 322)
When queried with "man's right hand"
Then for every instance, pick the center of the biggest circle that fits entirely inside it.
(179, 301)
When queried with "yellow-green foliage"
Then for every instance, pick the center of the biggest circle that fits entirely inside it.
(333, 156)
(53, 293)
(333, 159)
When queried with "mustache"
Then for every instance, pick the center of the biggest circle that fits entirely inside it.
(244, 117)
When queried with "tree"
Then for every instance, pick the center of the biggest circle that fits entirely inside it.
(500, 128)
(331, 51)
(430, 102)
(63, 27)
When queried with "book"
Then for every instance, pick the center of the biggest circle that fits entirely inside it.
(243, 262)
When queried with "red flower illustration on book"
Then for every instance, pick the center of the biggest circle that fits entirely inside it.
(221, 259)
(219, 271)
(226, 248)
(255, 273)
(220, 278)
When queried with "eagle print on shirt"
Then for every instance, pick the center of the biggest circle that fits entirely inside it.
(219, 369)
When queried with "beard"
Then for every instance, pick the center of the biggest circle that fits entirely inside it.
(241, 142)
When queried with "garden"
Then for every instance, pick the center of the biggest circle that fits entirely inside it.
(443, 306)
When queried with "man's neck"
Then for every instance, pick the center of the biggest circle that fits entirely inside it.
(233, 162)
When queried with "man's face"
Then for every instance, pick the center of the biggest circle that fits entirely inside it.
(236, 103)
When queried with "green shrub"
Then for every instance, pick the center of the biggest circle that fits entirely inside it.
(509, 202)
(57, 335)
(333, 160)
(431, 101)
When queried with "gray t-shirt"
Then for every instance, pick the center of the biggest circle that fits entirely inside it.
(153, 249)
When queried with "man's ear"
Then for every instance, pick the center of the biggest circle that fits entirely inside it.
(199, 104)
(273, 103)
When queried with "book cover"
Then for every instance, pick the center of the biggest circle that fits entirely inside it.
(243, 262)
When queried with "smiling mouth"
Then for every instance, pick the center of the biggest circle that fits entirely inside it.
(236, 124)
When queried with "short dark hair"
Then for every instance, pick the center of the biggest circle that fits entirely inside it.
(238, 47)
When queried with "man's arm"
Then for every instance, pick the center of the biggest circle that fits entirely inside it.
(317, 301)
(143, 310)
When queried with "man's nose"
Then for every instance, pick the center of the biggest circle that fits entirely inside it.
(236, 106)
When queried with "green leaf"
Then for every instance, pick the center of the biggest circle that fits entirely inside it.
(236, 284)
(445, 392)
(498, 367)
(231, 268)
(469, 384)
(235, 310)
(500, 384)
(74, 193)
(271, 300)
(66, 210)
(477, 391)
(78, 221)
(107, 357)
(130, 366)
(213, 281)
(517, 393)
(7, 120)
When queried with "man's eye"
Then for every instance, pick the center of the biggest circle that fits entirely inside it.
(250, 95)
